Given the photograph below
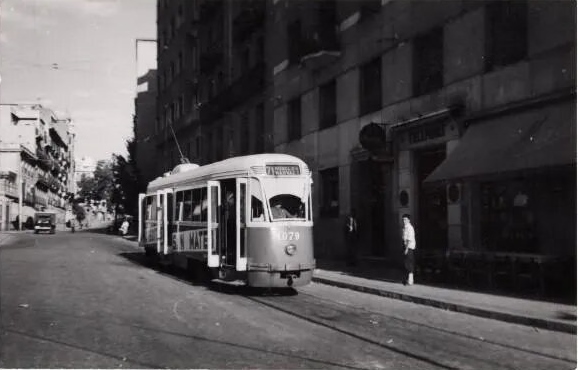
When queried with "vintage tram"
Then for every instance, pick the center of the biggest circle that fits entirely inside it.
(246, 219)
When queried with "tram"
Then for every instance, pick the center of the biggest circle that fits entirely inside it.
(246, 219)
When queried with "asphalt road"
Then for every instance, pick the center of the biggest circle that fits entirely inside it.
(88, 300)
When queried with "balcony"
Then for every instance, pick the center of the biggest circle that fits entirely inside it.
(249, 84)
(319, 49)
(250, 18)
(210, 60)
(209, 9)
(8, 188)
(319, 44)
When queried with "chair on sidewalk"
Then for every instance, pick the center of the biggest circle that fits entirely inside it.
(502, 272)
(457, 270)
(479, 271)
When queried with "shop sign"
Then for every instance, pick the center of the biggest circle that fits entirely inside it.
(425, 133)
(373, 137)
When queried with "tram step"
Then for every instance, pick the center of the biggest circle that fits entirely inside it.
(229, 282)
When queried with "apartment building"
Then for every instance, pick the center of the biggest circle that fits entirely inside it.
(417, 80)
(36, 162)
(211, 81)
(459, 113)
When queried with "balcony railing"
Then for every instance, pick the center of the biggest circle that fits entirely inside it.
(210, 60)
(240, 90)
(209, 8)
(9, 188)
(250, 18)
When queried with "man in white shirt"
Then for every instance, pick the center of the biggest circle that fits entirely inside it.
(408, 237)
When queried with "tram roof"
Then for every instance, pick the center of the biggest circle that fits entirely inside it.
(236, 166)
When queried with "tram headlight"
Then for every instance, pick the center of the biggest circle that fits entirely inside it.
(291, 249)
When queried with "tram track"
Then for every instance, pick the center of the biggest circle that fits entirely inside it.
(406, 337)
(365, 325)
(451, 332)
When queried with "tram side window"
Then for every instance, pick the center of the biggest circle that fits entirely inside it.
(149, 208)
(197, 204)
(180, 205)
(188, 206)
(257, 211)
(204, 212)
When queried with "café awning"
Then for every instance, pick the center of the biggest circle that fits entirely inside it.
(537, 138)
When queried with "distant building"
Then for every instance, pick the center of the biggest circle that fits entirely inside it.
(145, 112)
(85, 166)
(36, 162)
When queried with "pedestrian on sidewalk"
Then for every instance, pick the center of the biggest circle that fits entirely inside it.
(408, 236)
(351, 237)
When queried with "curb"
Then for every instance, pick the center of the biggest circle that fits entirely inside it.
(495, 315)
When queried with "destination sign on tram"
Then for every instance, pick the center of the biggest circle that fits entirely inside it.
(283, 170)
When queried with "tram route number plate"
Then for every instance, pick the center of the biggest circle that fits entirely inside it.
(286, 235)
(283, 170)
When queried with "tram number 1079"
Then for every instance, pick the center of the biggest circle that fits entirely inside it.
(286, 235)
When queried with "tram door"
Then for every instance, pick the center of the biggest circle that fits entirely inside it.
(164, 215)
(141, 217)
(159, 219)
(213, 224)
(229, 213)
(241, 226)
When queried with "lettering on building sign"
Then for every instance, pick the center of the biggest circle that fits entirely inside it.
(190, 240)
(421, 134)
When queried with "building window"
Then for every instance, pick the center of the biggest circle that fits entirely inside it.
(428, 62)
(198, 144)
(294, 119)
(182, 105)
(244, 133)
(219, 144)
(176, 111)
(367, 8)
(294, 37)
(506, 33)
(260, 52)
(179, 63)
(245, 60)
(260, 133)
(329, 192)
(370, 87)
(327, 105)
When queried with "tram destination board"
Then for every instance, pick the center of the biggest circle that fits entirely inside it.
(283, 170)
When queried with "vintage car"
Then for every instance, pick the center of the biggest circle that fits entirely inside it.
(44, 221)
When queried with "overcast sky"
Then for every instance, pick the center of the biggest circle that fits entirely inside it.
(77, 57)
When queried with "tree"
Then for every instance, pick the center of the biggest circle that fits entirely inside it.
(86, 187)
(127, 178)
(79, 212)
(100, 186)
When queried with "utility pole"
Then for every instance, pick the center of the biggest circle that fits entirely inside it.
(20, 192)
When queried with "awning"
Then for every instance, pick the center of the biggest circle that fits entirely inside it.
(537, 138)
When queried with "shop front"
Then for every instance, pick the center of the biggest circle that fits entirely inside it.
(516, 173)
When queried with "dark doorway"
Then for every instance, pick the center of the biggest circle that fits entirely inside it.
(368, 198)
(432, 226)
(228, 218)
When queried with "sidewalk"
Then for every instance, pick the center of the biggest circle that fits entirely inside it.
(387, 283)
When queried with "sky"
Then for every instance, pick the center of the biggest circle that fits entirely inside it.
(78, 58)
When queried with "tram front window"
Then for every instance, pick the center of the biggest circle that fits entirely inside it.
(287, 206)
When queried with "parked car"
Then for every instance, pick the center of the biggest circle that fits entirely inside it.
(44, 221)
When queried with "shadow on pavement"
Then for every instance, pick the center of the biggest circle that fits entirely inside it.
(195, 277)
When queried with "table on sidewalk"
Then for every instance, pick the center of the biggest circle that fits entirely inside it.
(512, 266)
